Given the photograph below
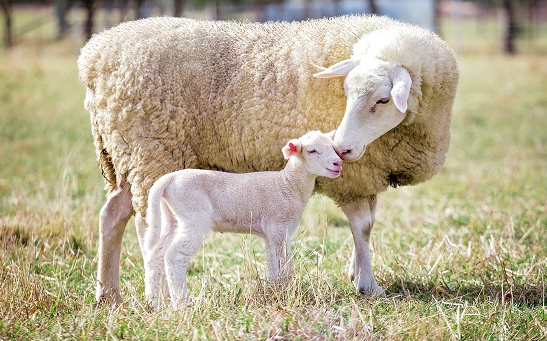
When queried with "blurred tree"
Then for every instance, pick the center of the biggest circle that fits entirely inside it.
(373, 8)
(89, 6)
(8, 34)
(509, 21)
(61, 11)
(509, 26)
(178, 7)
(141, 11)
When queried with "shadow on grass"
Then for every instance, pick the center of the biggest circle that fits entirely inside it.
(531, 295)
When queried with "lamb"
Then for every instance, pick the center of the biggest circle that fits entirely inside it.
(185, 205)
(169, 93)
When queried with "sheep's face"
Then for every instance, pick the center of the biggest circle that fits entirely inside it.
(317, 151)
(377, 94)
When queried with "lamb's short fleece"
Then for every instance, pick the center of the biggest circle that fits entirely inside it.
(184, 206)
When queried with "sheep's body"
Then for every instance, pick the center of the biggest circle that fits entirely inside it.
(185, 205)
(166, 94)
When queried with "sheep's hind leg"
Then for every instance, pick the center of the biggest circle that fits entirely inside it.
(113, 218)
(361, 218)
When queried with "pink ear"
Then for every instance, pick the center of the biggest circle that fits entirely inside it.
(292, 147)
(401, 90)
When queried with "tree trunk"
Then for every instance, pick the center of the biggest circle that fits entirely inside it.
(123, 10)
(140, 10)
(61, 9)
(178, 9)
(89, 5)
(509, 27)
(8, 34)
(372, 6)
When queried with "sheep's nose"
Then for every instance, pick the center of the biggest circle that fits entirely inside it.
(337, 163)
(342, 152)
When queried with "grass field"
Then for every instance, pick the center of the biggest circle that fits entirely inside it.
(462, 256)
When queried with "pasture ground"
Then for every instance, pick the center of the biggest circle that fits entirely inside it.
(462, 256)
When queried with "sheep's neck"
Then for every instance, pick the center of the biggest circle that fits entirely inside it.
(297, 180)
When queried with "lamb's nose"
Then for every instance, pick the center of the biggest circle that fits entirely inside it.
(337, 165)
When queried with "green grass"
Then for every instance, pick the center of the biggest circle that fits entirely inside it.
(462, 256)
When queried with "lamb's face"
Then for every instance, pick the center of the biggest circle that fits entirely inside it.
(377, 93)
(317, 151)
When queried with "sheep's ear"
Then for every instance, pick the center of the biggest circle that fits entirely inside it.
(339, 69)
(401, 89)
(331, 134)
(292, 147)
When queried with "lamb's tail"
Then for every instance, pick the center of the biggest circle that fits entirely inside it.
(153, 214)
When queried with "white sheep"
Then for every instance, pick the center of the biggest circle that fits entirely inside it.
(185, 205)
(168, 93)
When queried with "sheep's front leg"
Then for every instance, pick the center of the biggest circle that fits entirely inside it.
(113, 218)
(361, 218)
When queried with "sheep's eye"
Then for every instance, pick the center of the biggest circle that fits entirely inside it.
(312, 151)
(383, 100)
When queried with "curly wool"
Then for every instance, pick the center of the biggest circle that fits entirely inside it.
(169, 93)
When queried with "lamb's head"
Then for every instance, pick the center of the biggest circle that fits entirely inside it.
(377, 94)
(317, 151)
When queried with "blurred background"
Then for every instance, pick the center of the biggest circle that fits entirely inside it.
(492, 26)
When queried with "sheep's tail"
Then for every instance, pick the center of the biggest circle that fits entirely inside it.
(107, 166)
(153, 214)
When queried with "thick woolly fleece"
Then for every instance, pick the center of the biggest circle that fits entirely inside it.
(170, 93)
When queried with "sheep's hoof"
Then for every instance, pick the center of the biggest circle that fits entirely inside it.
(107, 297)
(374, 291)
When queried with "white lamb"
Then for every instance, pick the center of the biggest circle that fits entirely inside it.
(183, 206)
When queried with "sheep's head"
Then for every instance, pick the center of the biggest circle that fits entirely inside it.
(317, 151)
(377, 99)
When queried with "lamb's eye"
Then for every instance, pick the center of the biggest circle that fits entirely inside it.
(312, 151)
(383, 100)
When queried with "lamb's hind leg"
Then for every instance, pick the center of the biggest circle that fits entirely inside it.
(185, 244)
(113, 218)
(361, 218)
(141, 226)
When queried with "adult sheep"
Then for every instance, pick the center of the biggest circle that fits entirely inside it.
(169, 93)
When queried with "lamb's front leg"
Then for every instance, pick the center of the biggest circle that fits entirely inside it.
(278, 256)
(361, 218)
